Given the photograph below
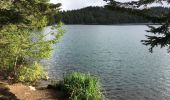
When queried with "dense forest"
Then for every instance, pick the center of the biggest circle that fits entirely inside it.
(101, 15)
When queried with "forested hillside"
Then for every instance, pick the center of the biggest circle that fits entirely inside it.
(101, 15)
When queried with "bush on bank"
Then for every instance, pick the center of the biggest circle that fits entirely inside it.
(22, 40)
(79, 86)
(31, 74)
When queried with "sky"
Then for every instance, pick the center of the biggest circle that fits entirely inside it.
(77, 4)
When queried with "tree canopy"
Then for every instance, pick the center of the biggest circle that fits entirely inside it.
(161, 34)
(98, 15)
(101, 15)
(21, 39)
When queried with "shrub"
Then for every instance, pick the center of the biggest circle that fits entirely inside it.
(80, 86)
(31, 74)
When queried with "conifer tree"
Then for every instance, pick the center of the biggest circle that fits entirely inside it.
(161, 34)
(21, 40)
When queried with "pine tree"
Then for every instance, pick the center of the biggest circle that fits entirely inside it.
(21, 40)
(161, 34)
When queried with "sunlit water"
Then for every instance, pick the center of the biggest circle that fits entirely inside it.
(115, 54)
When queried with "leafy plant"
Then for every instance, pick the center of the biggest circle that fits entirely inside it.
(31, 74)
(79, 86)
(22, 41)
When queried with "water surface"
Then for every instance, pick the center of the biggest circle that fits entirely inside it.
(115, 54)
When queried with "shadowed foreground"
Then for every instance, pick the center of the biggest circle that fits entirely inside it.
(22, 92)
(5, 94)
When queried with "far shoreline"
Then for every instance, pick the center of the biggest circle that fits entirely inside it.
(121, 24)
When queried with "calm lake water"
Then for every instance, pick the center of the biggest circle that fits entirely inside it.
(115, 54)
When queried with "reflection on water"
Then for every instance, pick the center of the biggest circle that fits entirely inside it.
(114, 53)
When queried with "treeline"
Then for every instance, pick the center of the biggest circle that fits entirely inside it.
(101, 15)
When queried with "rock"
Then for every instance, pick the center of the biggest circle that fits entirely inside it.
(32, 88)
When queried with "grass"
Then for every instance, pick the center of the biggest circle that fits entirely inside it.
(79, 86)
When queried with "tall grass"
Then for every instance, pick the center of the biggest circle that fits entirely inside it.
(80, 86)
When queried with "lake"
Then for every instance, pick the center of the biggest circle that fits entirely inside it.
(115, 54)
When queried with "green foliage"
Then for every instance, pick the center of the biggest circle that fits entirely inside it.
(97, 15)
(101, 15)
(31, 74)
(22, 41)
(80, 86)
(161, 34)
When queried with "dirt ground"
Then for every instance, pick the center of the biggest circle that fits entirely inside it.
(23, 92)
